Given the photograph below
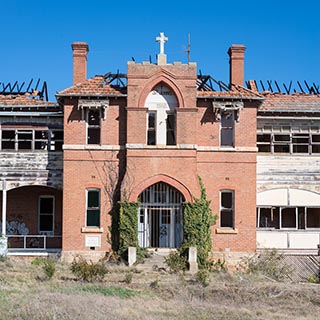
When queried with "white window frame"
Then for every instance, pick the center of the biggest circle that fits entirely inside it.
(232, 209)
(90, 126)
(46, 232)
(86, 209)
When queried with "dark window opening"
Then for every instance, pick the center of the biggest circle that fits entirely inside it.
(93, 208)
(226, 209)
(151, 134)
(227, 128)
(46, 214)
(171, 129)
(93, 126)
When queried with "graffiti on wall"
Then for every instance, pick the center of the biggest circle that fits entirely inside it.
(16, 227)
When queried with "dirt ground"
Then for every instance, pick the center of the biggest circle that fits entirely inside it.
(124, 293)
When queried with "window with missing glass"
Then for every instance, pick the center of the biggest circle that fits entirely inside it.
(171, 129)
(227, 128)
(46, 214)
(227, 209)
(93, 208)
(93, 126)
(29, 139)
(151, 128)
(297, 218)
(285, 139)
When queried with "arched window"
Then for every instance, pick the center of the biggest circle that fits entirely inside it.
(161, 118)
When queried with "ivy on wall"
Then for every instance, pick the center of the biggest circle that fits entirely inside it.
(128, 226)
(198, 219)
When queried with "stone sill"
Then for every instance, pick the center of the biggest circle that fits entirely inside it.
(91, 230)
(227, 231)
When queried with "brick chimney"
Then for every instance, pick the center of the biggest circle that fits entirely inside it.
(80, 50)
(236, 54)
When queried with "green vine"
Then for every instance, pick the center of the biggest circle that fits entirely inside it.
(128, 226)
(198, 219)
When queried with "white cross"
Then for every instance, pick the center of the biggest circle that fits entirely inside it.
(162, 39)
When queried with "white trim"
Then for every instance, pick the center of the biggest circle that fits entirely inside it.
(86, 209)
(232, 208)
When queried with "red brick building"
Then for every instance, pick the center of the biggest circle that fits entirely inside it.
(152, 138)
(147, 136)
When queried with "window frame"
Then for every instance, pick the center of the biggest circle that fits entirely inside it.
(93, 126)
(150, 129)
(225, 209)
(93, 208)
(46, 232)
(171, 113)
(46, 141)
(298, 211)
(227, 129)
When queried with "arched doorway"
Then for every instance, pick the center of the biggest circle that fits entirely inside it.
(160, 222)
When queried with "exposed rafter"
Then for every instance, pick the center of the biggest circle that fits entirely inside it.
(33, 88)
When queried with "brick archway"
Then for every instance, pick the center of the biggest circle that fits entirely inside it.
(161, 178)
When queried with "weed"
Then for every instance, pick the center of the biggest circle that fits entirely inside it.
(128, 278)
(49, 268)
(203, 277)
(37, 261)
(270, 264)
(314, 278)
(88, 270)
(176, 262)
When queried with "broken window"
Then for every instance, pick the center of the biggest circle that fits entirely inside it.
(281, 143)
(313, 218)
(227, 209)
(268, 218)
(227, 128)
(93, 126)
(32, 139)
(8, 140)
(56, 140)
(46, 214)
(288, 140)
(93, 208)
(291, 217)
(151, 131)
(40, 139)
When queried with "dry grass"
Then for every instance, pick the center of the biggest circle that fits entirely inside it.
(25, 293)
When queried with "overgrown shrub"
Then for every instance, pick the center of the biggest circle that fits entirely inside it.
(128, 226)
(176, 262)
(88, 270)
(198, 219)
(203, 277)
(268, 263)
(49, 268)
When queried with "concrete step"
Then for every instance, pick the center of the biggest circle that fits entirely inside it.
(156, 261)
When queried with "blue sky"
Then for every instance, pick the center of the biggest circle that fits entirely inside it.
(282, 37)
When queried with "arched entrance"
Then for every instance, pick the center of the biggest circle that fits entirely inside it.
(160, 222)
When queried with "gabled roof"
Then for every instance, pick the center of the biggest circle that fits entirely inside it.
(96, 86)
